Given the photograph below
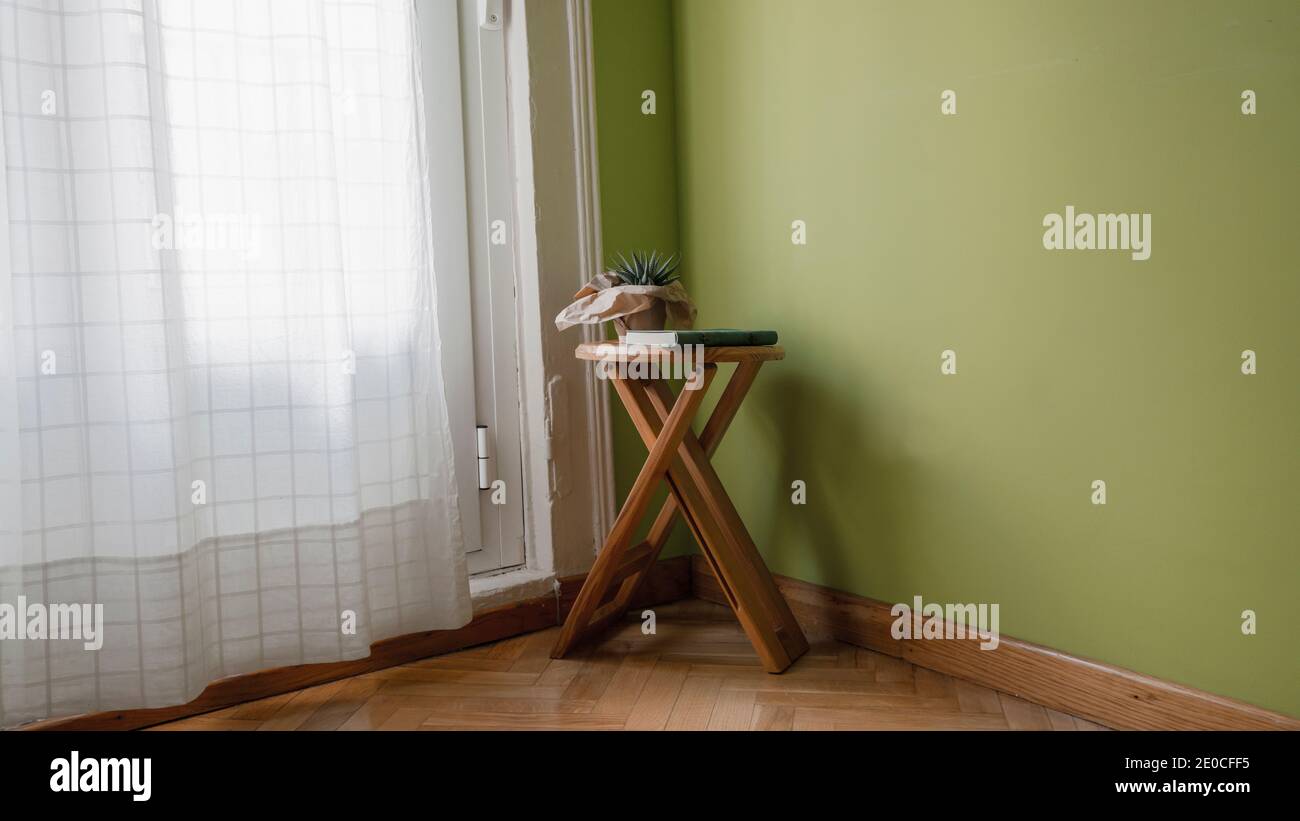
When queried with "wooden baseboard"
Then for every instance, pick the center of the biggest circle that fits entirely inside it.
(670, 580)
(1108, 695)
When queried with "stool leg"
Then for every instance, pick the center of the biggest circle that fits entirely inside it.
(606, 569)
(723, 413)
(762, 611)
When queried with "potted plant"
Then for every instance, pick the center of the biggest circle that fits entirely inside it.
(638, 294)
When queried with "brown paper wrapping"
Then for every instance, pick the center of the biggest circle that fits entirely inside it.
(604, 298)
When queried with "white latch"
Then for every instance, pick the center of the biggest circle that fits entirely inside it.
(484, 475)
(490, 14)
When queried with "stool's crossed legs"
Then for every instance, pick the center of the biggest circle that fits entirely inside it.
(676, 454)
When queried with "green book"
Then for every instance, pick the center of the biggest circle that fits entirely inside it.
(712, 337)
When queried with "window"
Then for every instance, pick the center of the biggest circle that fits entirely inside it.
(471, 188)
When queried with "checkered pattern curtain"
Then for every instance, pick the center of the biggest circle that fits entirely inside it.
(221, 412)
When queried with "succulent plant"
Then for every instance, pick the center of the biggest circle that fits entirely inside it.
(646, 268)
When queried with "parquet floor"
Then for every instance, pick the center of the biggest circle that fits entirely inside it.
(698, 672)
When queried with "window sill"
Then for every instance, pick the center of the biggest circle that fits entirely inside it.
(490, 592)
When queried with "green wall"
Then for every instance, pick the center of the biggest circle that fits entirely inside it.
(925, 234)
(638, 168)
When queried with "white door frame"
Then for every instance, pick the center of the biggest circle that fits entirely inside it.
(567, 448)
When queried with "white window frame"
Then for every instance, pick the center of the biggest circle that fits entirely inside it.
(470, 187)
(567, 447)
(567, 450)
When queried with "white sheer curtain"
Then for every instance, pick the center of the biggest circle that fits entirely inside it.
(221, 410)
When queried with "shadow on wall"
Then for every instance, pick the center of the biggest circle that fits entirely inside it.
(872, 523)
(857, 484)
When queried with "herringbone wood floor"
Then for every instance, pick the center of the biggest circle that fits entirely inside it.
(697, 672)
